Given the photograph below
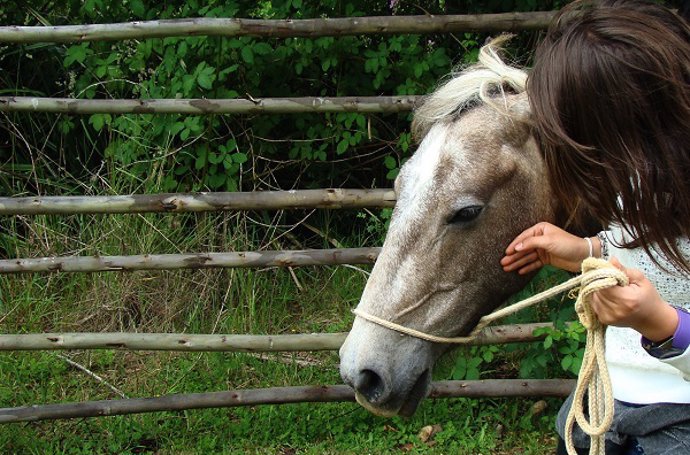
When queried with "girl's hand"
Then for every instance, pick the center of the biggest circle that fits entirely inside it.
(637, 305)
(544, 244)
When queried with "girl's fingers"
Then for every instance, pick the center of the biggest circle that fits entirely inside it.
(511, 258)
(617, 264)
(541, 242)
(527, 233)
(536, 265)
(511, 263)
(634, 275)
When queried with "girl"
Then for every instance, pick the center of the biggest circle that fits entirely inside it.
(610, 96)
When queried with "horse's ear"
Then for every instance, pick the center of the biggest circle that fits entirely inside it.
(519, 107)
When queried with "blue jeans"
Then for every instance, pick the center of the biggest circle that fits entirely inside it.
(632, 447)
(655, 429)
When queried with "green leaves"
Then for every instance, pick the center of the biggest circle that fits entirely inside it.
(192, 127)
(92, 7)
(467, 368)
(251, 48)
(138, 8)
(107, 67)
(206, 76)
(99, 120)
(392, 165)
(347, 140)
(470, 362)
(247, 54)
(220, 167)
(200, 155)
(76, 54)
(262, 48)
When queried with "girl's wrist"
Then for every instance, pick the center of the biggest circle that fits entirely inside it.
(675, 344)
(662, 325)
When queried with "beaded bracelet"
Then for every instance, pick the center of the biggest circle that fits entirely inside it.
(604, 242)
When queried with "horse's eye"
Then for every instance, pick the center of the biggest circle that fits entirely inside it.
(466, 214)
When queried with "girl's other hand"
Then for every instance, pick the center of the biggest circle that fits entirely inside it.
(637, 305)
(544, 244)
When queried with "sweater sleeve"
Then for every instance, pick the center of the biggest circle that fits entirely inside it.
(681, 362)
(681, 341)
(672, 284)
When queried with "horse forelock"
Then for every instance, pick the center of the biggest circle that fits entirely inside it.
(486, 82)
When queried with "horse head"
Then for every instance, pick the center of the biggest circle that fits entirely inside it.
(476, 180)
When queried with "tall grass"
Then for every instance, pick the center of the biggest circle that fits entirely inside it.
(272, 300)
(211, 301)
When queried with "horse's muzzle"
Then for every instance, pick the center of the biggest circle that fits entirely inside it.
(391, 384)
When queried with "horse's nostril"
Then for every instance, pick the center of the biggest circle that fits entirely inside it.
(370, 385)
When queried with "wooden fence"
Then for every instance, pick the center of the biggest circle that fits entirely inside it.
(284, 28)
(326, 198)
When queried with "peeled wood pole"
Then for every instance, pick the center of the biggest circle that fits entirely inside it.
(224, 342)
(277, 395)
(173, 342)
(210, 106)
(294, 258)
(329, 198)
(503, 388)
(502, 22)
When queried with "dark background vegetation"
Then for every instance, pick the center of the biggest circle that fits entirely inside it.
(47, 154)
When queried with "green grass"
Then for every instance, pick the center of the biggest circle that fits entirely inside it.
(263, 302)
(468, 426)
(311, 299)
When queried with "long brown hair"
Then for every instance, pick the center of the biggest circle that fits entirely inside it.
(610, 95)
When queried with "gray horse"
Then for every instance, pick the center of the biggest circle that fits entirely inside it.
(476, 181)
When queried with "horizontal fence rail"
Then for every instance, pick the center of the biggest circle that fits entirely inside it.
(287, 258)
(202, 202)
(277, 395)
(501, 22)
(365, 104)
(227, 343)
(330, 198)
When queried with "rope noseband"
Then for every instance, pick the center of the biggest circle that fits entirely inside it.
(597, 274)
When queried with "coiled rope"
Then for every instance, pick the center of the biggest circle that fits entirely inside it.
(597, 274)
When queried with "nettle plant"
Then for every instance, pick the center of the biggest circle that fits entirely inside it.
(232, 152)
(558, 353)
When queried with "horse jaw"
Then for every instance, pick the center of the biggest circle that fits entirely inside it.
(437, 278)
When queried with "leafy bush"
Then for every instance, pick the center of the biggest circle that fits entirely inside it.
(222, 152)
(558, 354)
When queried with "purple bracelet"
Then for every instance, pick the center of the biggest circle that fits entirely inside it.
(681, 337)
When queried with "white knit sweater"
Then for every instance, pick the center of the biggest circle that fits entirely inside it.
(636, 376)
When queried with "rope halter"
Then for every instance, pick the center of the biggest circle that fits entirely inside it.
(597, 274)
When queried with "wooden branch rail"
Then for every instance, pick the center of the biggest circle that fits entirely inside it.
(296, 105)
(502, 22)
(225, 343)
(291, 258)
(277, 395)
(330, 198)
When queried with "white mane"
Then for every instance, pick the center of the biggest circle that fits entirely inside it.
(477, 83)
